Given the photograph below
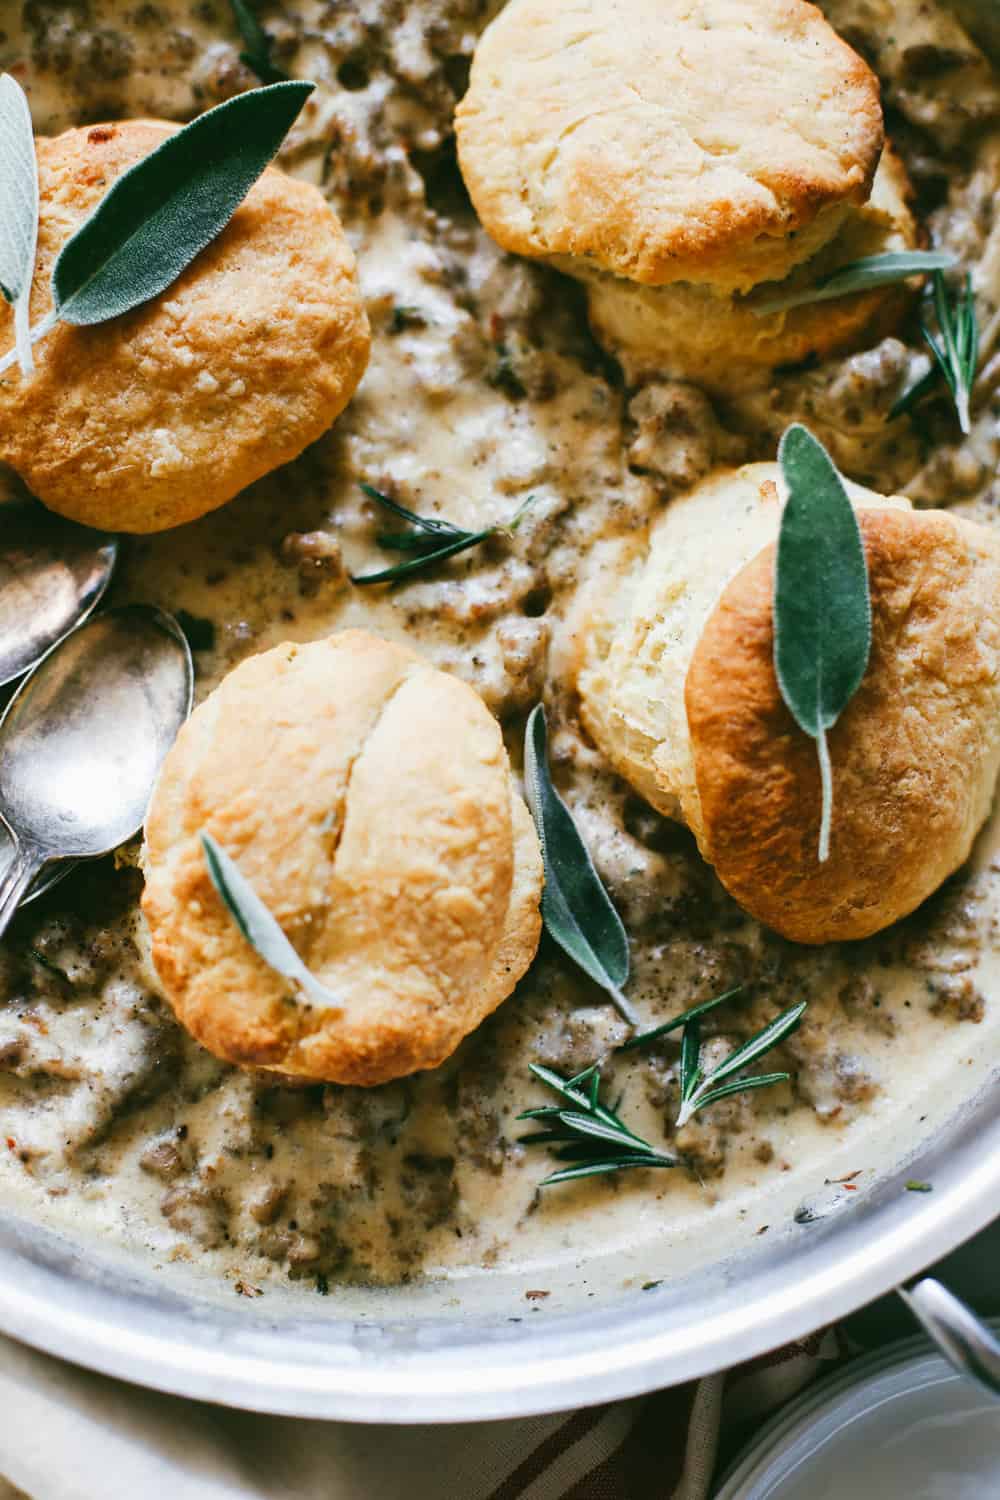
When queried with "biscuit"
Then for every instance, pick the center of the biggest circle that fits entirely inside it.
(695, 333)
(156, 417)
(368, 798)
(674, 667)
(667, 140)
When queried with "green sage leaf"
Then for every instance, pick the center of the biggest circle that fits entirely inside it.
(822, 608)
(858, 276)
(19, 219)
(163, 211)
(576, 909)
(259, 927)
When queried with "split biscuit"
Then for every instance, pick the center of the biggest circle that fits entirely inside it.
(718, 141)
(695, 333)
(674, 667)
(368, 799)
(154, 418)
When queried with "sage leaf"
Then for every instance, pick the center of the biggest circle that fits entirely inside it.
(19, 220)
(257, 43)
(259, 927)
(162, 212)
(822, 607)
(576, 909)
(858, 276)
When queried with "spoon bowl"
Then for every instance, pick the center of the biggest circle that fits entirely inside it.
(83, 739)
(53, 574)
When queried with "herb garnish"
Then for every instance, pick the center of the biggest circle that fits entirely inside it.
(257, 56)
(822, 608)
(19, 220)
(576, 909)
(919, 1187)
(587, 1132)
(259, 927)
(955, 348)
(162, 212)
(431, 539)
(699, 1089)
(859, 276)
(692, 1014)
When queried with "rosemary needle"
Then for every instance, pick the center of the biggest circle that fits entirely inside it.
(429, 538)
(699, 1089)
(955, 349)
(583, 1131)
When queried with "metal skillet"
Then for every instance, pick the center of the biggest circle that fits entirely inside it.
(390, 1358)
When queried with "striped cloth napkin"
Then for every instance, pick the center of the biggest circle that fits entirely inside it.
(66, 1434)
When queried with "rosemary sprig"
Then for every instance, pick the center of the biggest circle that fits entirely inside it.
(955, 348)
(587, 1133)
(257, 56)
(699, 1089)
(692, 1014)
(859, 276)
(433, 540)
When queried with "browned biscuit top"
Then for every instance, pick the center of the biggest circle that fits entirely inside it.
(915, 754)
(662, 141)
(154, 418)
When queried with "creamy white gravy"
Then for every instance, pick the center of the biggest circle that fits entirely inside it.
(483, 389)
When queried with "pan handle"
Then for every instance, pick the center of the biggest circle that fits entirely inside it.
(964, 1340)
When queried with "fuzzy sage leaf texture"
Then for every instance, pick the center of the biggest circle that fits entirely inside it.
(259, 927)
(822, 607)
(19, 218)
(161, 213)
(863, 275)
(576, 909)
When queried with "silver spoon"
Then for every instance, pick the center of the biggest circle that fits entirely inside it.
(52, 575)
(83, 739)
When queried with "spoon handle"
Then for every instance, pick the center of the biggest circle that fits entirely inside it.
(17, 877)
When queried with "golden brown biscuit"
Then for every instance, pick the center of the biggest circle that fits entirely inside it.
(697, 333)
(667, 140)
(156, 417)
(677, 686)
(368, 798)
